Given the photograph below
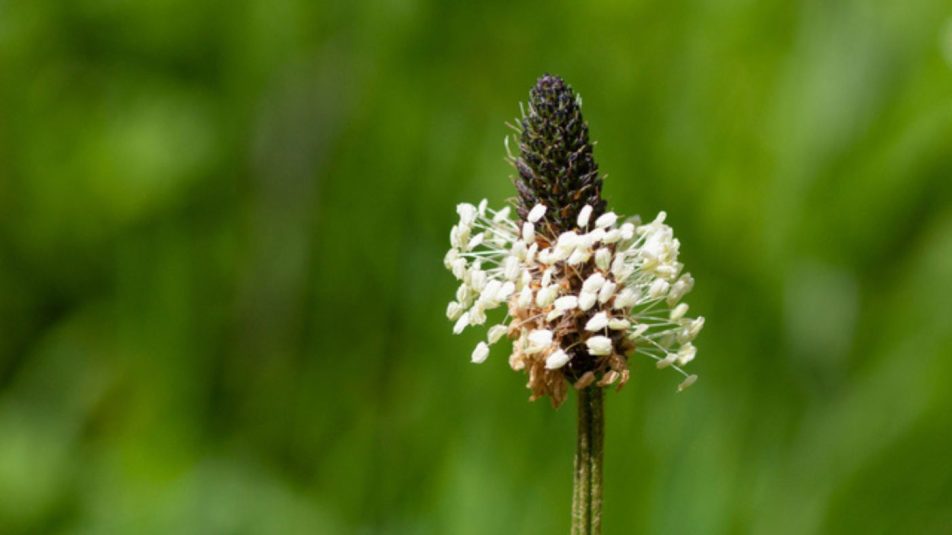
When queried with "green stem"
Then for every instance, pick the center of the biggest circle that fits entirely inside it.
(587, 488)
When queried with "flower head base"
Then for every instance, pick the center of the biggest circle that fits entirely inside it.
(578, 301)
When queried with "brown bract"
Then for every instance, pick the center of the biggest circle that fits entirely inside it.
(568, 332)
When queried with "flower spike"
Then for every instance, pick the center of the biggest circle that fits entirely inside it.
(584, 288)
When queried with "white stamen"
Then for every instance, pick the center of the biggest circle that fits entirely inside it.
(477, 315)
(612, 236)
(603, 258)
(459, 268)
(658, 288)
(560, 254)
(599, 345)
(539, 340)
(462, 293)
(679, 288)
(462, 236)
(679, 311)
(547, 256)
(595, 236)
(566, 302)
(467, 213)
(488, 295)
(453, 310)
(586, 300)
(536, 213)
(641, 329)
(531, 252)
(583, 215)
(480, 353)
(579, 256)
(626, 298)
(556, 360)
(477, 279)
(620, 269)
(695, 327)
(525, 297)
(496, 333)
(593, 283)
(450, 257)
(519, 249)
(547, 277)
(627, 231)
(528, 232)
(461, 323)
(597, 322)
(691, 379)
(606, 220)
(567, 240)
(686, 354)
(501, 215)
(507, 289)
(525, 278)
(618, 324)
(547, 295)
(607, 291)
(510, 268)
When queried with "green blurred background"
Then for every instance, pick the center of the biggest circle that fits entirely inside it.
(222, 294)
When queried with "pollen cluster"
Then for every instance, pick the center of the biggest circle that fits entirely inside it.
(578, 302)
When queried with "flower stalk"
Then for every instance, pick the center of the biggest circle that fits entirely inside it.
(587, 486)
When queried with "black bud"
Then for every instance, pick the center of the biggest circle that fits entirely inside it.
(555, 163)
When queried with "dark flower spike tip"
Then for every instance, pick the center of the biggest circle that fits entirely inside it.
(555, 164)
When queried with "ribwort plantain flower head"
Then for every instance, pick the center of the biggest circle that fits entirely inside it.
(583, 288)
